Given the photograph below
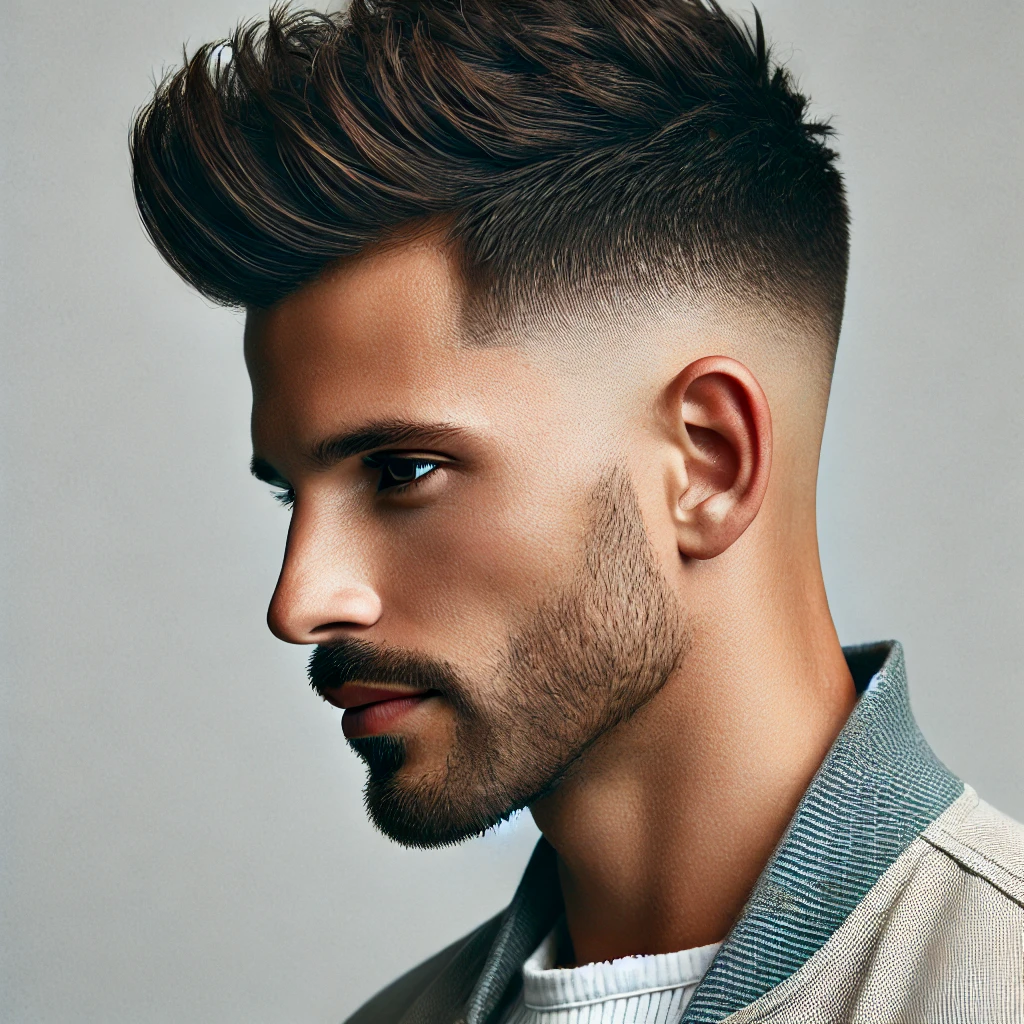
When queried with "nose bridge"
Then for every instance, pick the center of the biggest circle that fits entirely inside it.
(325, 584)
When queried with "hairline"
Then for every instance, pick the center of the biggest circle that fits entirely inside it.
(489, 319)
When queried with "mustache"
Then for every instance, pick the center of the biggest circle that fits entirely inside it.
(343, 661)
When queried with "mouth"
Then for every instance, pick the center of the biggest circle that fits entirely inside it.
(374, 710)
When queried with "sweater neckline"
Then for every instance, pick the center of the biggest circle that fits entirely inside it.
(547, 987)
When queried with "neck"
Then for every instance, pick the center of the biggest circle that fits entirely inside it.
(664, 827)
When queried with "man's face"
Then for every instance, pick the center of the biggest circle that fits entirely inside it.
(467, 548)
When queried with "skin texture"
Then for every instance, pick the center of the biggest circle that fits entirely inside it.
(712, 415)
(592, 653)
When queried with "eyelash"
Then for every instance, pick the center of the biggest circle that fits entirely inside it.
(384, 460)
(379, 461)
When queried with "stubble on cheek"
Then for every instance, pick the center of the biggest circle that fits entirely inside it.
(590, 655)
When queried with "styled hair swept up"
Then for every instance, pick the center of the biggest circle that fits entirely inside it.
(572, 148)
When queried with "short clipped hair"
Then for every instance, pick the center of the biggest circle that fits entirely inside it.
(576, 150)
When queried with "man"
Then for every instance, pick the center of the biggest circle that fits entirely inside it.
(542, 306)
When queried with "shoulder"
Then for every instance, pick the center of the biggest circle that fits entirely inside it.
(958, 922)
(983, 842)
(938, 937)
(443, 981)
(961, 915)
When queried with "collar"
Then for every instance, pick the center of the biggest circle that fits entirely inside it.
(878, 788)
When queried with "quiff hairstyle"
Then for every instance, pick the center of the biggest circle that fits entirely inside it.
(575, 151)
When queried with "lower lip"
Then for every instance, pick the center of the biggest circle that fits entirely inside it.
(381, 717)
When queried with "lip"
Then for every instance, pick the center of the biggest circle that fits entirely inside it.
(374, 710)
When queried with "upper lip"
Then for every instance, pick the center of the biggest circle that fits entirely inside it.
(356, 695)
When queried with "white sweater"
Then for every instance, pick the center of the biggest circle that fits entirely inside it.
(634, 990)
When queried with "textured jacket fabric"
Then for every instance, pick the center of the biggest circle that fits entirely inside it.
(896, 896)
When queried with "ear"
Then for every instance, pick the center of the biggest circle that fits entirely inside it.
(722, 428)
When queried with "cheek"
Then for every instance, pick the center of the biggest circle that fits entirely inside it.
(463, 574)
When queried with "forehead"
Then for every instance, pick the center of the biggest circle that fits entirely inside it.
(378, 337)
(398, 309)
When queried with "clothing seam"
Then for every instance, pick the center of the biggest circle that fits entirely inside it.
(984, 856)
(972, 870)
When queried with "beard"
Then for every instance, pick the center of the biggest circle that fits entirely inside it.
(591, 655)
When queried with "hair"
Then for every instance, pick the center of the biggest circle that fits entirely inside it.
(575, 151)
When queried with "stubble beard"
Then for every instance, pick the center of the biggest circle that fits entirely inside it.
(591, 656)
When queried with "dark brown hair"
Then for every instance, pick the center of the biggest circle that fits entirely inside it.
(572, 147)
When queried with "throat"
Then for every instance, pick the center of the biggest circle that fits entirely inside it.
(663, 833)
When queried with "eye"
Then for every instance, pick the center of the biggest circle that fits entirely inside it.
(398, 472)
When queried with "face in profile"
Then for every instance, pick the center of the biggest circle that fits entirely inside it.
(492, 541)
(467, 551)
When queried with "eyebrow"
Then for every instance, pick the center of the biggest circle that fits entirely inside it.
(329, 451)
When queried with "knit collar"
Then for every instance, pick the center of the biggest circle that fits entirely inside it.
(878, 788)
(550, 989)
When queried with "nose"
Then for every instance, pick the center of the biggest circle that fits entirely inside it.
(323, 591)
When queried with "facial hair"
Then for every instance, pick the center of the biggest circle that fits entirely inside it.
(591, 655)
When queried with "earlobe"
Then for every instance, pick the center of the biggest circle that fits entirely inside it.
(721, 423)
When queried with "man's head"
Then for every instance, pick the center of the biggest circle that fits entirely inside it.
(518, 279)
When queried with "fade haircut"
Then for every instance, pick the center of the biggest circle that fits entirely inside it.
(577, 152)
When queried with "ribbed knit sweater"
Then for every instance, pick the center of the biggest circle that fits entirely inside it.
(634, 990)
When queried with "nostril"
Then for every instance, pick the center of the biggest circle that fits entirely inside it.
(329, 629)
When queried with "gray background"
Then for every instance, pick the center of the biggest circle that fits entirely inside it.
(183, 838)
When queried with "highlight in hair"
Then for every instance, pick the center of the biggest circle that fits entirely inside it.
(572, 149)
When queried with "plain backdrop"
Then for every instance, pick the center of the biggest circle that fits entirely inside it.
(182, 829)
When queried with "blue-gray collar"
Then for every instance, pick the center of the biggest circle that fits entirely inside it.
(878, 788)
